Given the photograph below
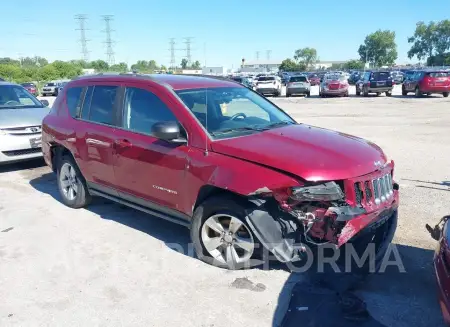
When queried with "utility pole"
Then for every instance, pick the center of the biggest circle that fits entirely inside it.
(257, 55)
(172, 54)
(268, 54)
(82, 28)
(109, 42)
(188, 42)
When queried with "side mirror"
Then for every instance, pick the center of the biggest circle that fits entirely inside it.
(168, 131)
(45, 102)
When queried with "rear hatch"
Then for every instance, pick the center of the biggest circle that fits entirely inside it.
(437, 81)
(380, 80)
(298, 82)
(266, 82)
(49, 87)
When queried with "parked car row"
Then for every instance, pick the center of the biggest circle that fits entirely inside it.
(51, 88)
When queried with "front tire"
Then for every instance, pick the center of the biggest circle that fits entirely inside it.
(71, 184)
(417, 93)
(221, 236)
(404, 92)
(445, 94)
(388, 93)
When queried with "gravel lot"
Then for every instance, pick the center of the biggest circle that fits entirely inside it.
(113, 266)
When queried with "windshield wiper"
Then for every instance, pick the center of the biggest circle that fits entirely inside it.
(280, 123)
(238, 129)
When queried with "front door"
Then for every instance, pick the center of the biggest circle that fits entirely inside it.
(148, 170)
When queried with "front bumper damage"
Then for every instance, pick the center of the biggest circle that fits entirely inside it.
(285, 230)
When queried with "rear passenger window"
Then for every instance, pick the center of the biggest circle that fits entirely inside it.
(101, 109)
(143, 109)
(73, 98)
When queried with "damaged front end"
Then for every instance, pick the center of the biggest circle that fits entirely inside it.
(322, 212)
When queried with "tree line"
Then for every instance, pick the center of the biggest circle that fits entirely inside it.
(430, 41)
(38, 69)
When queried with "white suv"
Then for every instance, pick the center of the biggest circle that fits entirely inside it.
(268, 85)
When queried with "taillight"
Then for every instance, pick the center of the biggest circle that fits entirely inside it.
(427, 79)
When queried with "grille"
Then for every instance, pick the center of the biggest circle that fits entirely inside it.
(376, 191)
(28, 130)
(15, 153)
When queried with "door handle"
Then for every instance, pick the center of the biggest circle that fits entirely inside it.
(122, 143)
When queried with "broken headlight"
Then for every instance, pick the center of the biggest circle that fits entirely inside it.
(323, 192)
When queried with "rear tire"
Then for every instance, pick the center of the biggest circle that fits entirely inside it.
(445, 94)
(358, 92)
(365, 92)
(287, 95)
(308, 94)
(388, 93)
(71, 184)
(212, 222)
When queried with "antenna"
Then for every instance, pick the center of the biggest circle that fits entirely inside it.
(82, 28)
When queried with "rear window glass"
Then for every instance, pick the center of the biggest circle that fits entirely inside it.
(266, 78)
(73, 97)
(237, 79)
(27, 84)
(438, 74)
(50, 84)
(381, 76)
(298, 79)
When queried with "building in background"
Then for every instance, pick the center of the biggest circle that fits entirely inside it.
(216, 71)
(88, 71)
(260, 66)
(329, 64)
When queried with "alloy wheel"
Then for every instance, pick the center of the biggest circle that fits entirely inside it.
(227, 239)
(68, 181)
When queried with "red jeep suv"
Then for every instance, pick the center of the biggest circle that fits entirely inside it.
(213, 155)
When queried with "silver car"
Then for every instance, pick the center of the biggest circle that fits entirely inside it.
(298, 85)
(51, 88)
(21, 117)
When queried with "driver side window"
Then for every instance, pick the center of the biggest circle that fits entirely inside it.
(143, 109)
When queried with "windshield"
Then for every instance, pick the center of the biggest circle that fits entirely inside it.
(266, 78)
(438, 74)
(233, 111)
(334, 77)
(298, 79)
(380, 76)
(16, 97)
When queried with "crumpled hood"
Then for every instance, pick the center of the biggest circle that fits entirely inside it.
(10, 118)
(312, 153)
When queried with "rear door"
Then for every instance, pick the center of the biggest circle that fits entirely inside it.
(95, 134)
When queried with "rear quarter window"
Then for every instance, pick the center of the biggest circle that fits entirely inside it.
(73, 100)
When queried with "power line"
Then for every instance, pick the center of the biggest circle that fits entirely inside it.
(257, 55)
(109, 42)
(188, 42)
(82, 28)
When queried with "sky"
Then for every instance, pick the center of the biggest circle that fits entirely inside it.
(223, 32)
